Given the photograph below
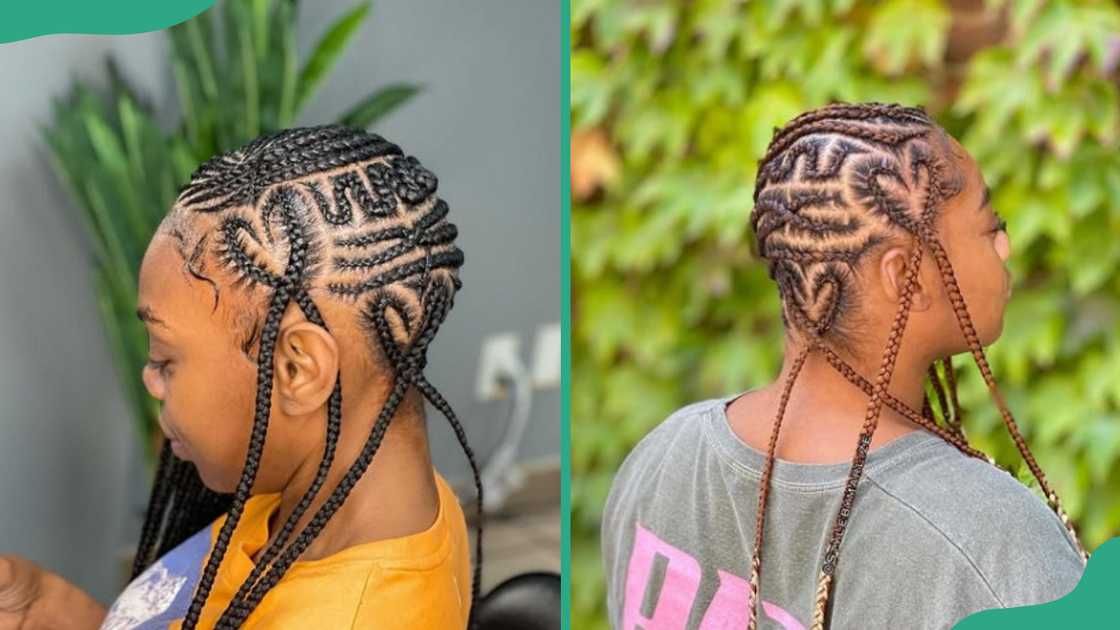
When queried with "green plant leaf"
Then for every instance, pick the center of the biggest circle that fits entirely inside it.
(327, 53)
(289, 77)
(379, 104)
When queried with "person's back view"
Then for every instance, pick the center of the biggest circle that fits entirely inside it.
(926, 543)
(877, 228)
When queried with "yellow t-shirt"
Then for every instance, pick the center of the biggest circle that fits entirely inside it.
(421, 581)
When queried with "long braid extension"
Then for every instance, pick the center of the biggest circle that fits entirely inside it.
(951, 384)
(871, 419)
(334, 426)
(965, 321)
(161, 490)
(237, 611)
(764, 487)
(926, 423)
(820, 602)
(939, 389)
(413, 359)
(855, 378)
(439, 403)
(293, 276)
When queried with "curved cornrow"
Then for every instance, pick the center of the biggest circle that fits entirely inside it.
(321, 187)
(834, 183)
(239, 178)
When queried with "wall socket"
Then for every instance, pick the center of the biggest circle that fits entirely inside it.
(546, 357)
(500, 360)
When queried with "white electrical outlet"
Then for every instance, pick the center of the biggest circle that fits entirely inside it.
(546, 357)
(500, 357)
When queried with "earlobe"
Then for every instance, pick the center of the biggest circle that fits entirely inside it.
(920, 300)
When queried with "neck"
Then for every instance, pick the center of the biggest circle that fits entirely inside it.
(826, 412)
(396, 496)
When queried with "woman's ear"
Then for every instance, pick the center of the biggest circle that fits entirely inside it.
(305, 365)
(892, 271)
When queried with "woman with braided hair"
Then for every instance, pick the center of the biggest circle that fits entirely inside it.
(836, 497)
(290, 297)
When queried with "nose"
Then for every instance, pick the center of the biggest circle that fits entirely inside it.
(1003, 246)
(152, 382)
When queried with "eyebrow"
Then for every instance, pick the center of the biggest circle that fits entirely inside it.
(145, 314)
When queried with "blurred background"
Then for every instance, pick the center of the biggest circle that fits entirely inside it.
(94, 153)
(674, 102)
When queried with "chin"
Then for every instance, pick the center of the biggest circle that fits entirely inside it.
(219, 483)
(991, 333)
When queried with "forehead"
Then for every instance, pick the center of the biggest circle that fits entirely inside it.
(168, 290)
(967, 166)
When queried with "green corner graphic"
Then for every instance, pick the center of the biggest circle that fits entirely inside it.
(1091, 602)
(23, 20)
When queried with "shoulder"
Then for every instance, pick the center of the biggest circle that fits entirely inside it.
(982, 517)
(421, 580)
(682, 431)
(658, 470)
(402, 600)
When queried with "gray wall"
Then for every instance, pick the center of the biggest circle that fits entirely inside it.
(488, 123)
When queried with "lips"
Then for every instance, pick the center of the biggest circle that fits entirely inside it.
(178, 448)
(174, 442)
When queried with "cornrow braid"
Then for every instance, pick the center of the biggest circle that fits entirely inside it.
(833, 184)
(329, 209)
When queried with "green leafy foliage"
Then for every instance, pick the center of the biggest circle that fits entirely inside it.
(236, 73)
(670, 304)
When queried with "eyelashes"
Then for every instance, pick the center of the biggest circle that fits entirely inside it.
(160, 366)
(1001, 224)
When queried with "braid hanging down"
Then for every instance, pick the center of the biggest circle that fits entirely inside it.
(280, 216)
(834, 183)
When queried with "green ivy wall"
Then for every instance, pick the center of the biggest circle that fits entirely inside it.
(672, 105)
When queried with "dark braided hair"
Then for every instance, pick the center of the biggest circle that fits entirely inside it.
(280, 216)
(836, 182)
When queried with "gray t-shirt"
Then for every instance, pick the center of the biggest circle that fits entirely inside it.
(934, 535)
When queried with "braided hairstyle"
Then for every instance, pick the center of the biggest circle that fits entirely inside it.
(836, 182)
(279, 215)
